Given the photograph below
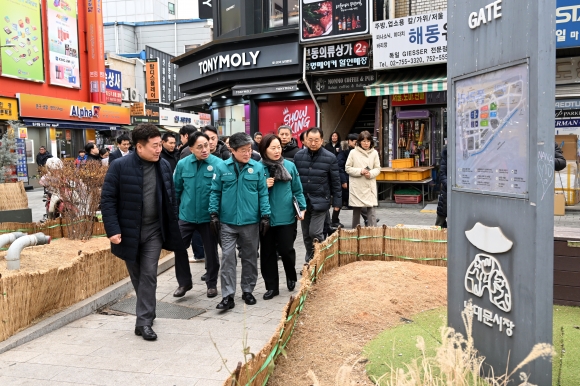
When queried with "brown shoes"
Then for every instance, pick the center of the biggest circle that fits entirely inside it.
(180, 291)
(212, 292)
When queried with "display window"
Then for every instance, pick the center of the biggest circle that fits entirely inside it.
(282, 13)
(298, 114)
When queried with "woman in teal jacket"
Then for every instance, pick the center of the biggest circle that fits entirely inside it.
(283, 186)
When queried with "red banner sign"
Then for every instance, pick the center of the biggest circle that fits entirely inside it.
(299, 115)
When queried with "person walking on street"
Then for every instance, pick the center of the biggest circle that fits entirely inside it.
(169, 152)
(283, 188)
(442, 201)
(184, 134)
(239, 210)
(333, 145)
(140, 217)
(93, 153)
(216, 147)
(289, 144)
(193, 177)
(42, 156)
(320, 179)
(257, 139)
(363, 166)
(123, 145)
(104, 153)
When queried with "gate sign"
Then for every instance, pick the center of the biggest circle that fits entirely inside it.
(410, 41)
(567, 23)
(114, 87)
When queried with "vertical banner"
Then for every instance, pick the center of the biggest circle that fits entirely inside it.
(63, 43)
(114, 87)
(152, 80)
(21, 26)
(97, 79)
(21, 165)
(101, 50)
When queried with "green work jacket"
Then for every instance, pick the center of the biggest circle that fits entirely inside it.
(192, 179)
(281, 194)
(240, 197)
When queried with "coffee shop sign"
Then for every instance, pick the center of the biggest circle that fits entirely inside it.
(485, 15)
(227, 61)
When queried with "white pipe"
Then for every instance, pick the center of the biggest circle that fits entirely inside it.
(13, 255)
(309, 90)
(10, 237)
(391, 9)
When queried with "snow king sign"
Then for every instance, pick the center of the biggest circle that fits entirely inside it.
(501, 177)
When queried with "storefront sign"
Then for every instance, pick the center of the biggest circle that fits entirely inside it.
(299, 115)
(567, 23)
(343, 83)
(248, 59)
(152, 80)
(22, 27)
(114, 87)
(567, 117)
(177, 119)
(36, 106)
(323, 20)
(149, 114)
(339, 56)
(96, 49)
(420, 98)
(264, 89)
(205, 9)
(8, 109)
(169, 90)
(410, 41)
(485, 15)
(63, 43)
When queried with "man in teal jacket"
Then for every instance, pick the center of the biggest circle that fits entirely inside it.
(239, 210)
(193, 178)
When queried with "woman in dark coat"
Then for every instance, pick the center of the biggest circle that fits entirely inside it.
(333, 145)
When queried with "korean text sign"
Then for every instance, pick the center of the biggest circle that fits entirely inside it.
(63, 43)
(321, 20)
(410, 41)
(114, 86)
(338, 56)
(21, 27)
(152, 80)
(567, 23)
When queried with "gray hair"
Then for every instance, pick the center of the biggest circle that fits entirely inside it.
(238, 140)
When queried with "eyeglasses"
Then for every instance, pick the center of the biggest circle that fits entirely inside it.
(243, 151)
(202, 146)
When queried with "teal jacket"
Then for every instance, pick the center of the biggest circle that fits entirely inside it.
(192, 179)
(281, 195)
(240, 197)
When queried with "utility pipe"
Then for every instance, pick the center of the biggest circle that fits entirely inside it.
(13, 255)
(309, 90)
(10, 237)
(391, 9)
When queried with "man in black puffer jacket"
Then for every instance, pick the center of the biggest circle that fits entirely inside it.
(442, 204)
(320, 179)
(216, 147)
(140, 217)
(289, 144)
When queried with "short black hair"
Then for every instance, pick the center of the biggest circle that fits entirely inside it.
(89, 146)
(166, 136)
(209, 128)
(223, 138)
(352, 137)
(314, 130)
(42, 147)
(143, 132)
(123, 137)
(82, 151)
(284, 127)
(302, 136)
(103, 151)
(258, 133)
(187, 130)
(365, 135)
(194, 137)
(337, 134)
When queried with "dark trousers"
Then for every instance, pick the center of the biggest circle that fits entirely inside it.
(313, 228)
(278, 239)
(143, 273)
(197, 246)
(182, 270)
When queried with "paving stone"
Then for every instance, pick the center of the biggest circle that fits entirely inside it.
(29, 371)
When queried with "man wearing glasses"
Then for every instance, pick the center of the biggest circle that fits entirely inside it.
(318, 169)
(239, 208)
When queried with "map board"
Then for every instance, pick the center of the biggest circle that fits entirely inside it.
(492, 132)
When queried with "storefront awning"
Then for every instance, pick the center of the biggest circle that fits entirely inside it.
(68, 124)
(199, 99)
(410, 81)
(173, 129)
(265, 88)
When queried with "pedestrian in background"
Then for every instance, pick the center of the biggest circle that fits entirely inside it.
(104, 153)
(169, 152)
(92, 153)
(257, 139)
(81, 158)
(289, 144)
(320, 179)
(184, 134)
(284, 187)
(193, 178)
(333, 145)
(239, 211)
(123, 145)
(140, 217)
(42, 156)
(442, 201)
(363, 166)
(217, 147)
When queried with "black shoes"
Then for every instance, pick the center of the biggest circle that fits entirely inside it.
(270, 294)
(203, 277)
(291, 285)
(249, 298)
(180, 291)
(227, 303)
(146, 332)
(211, 292)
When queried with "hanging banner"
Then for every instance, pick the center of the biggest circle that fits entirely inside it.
(63, 43)
(95, 46)
(22, 27)
(152, 80)
(324, 20)
(167, 74)
(338, 56)
(114, 87)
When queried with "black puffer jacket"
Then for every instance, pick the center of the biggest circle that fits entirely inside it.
(290, 150)
(42, 158)
(122, 202)
(341, 158)
(320, 178)
(442, 204)
(221, 151)
(559, 160)
(170, 156)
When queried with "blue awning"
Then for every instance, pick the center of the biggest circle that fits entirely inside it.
(68, 124)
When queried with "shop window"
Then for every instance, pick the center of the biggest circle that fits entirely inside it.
(282, 13)
(171, 8)
(232, 119)
(230, 15)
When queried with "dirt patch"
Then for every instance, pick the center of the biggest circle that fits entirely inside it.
(58, 253)
(347, 309)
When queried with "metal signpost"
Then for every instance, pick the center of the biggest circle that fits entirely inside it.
(501, 93)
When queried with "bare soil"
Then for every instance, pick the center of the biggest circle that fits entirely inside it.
(347, 309)
(58, 253)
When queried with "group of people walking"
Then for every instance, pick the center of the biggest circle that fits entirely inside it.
(230, 199)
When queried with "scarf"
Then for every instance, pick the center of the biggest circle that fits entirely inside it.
(277, 169)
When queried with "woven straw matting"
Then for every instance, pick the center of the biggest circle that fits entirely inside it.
(13, 196)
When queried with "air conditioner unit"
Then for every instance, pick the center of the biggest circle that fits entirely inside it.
(126, 96)
(133, 95)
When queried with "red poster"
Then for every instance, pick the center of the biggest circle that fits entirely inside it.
(299, 115)
(95, 40)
